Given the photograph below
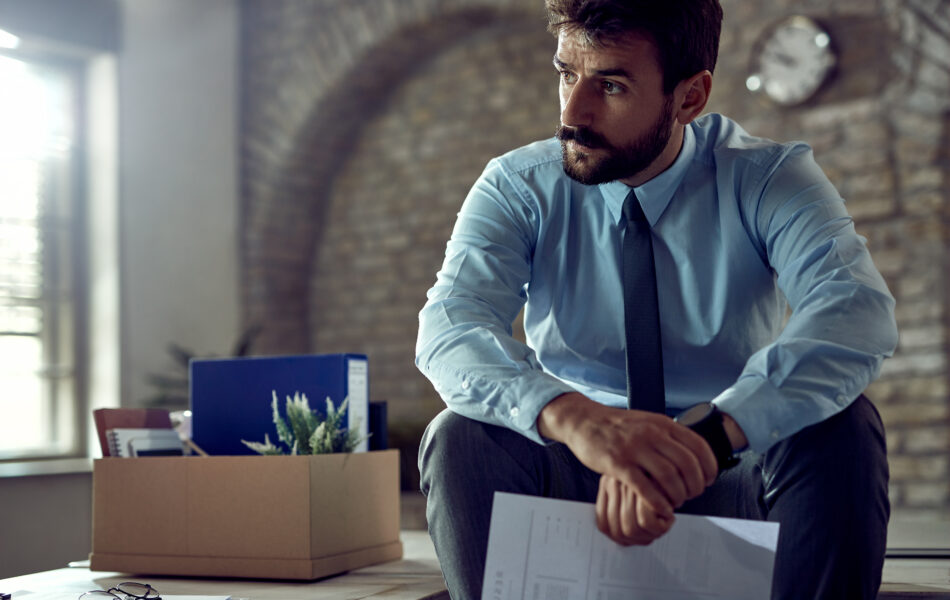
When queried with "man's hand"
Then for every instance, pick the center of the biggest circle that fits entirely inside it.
(624, 517)
(662, 462)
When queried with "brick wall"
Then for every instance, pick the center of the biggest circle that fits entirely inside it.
(394, 202)
(365, 122)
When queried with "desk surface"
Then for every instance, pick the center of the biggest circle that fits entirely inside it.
(416, 577)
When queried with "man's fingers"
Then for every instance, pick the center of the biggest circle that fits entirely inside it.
(690, 469)
(628, 512)
(666, 475)
(616, 513)
(700, 449)
(600, 509)
(624, 517)
(604, 509)
(647, 490)
(609, 510)
(651, 522)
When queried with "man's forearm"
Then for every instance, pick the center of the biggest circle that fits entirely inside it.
(559, 417)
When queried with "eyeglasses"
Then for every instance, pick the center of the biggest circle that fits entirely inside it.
(127, 590)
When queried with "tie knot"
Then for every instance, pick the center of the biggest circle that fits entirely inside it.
(631, 208)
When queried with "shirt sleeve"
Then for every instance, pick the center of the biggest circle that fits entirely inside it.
(465, 345)
(842, 324)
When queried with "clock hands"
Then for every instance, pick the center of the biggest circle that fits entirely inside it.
(794, 59)
(785, 59)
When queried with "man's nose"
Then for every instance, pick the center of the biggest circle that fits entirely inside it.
(576, 106)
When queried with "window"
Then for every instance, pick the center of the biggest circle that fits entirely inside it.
(39, 258)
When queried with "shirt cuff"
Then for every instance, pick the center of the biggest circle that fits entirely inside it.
(525, 398)
(768, 416)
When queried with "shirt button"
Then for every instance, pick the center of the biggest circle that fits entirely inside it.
(841, 399)
(514, 412)
(466, 385)
(775, 434)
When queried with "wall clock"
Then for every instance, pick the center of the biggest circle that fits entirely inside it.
(791, 61)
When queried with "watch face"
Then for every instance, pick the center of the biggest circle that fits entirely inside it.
(694, 414)
(791, 61)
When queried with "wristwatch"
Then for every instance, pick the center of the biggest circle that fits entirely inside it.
(706, 420)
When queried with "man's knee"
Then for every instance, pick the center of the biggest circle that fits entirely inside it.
(856, 431)
(448, 437)
(862, 442)
(848, 447)
(459, 450)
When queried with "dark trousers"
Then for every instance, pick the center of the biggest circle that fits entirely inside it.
(826, 485)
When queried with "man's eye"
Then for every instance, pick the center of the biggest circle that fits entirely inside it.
(568, 77)
(612, 88)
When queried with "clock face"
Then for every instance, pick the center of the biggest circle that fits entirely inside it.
(791, 61)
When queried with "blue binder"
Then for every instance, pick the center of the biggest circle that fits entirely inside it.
(231, 398)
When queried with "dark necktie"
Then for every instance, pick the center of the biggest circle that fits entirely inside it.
(641, 313)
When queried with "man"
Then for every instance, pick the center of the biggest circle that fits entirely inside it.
(739, 228)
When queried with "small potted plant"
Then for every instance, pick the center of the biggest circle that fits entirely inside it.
(308, 432)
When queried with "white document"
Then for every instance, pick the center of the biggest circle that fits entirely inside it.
(544, 549)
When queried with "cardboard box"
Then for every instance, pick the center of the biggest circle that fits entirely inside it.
(272, 517)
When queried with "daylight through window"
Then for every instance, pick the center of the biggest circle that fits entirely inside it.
(37, 269)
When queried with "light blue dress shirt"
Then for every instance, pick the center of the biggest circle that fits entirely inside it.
(743, 228)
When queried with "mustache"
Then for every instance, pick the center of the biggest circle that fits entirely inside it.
(582, 135)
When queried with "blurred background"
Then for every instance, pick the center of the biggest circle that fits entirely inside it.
(210, 177)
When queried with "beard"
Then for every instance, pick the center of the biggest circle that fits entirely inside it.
(620, 162)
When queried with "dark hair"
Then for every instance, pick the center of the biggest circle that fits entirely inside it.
(684, 32)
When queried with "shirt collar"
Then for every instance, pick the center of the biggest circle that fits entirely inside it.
(655, 194)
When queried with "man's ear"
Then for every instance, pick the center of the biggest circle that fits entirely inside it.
(691, 96)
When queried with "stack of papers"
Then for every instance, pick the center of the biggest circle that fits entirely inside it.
(544, 548)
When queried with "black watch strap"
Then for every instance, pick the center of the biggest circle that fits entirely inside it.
(706, 420)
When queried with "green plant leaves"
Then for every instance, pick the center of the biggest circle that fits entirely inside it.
(307, 432)
(266, 448)
(283, 432)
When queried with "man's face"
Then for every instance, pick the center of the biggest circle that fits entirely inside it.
(616, 122)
